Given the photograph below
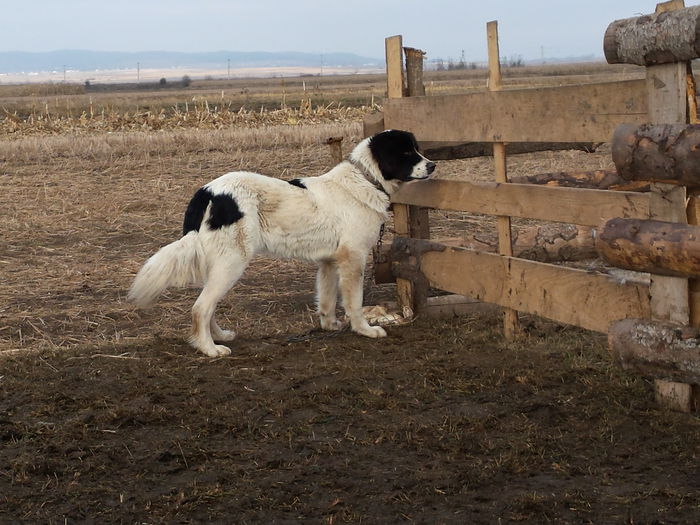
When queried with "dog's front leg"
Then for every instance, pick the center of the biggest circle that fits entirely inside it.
(327, 295)
(351, 270)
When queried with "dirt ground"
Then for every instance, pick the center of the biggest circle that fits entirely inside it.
(107, 416)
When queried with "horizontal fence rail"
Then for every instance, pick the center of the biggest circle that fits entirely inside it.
(581, 113)
(567, 295)
(584, 207)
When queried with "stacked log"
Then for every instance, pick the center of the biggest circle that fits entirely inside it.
(661, 38)
(658, 247)
(660, 153)
(657, 350)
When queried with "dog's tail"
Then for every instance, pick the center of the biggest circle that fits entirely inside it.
(178, 264)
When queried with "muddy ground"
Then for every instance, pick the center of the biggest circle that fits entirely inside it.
(107, 416)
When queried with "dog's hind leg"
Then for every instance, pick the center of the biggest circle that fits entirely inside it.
(220, 279)
(218, 333)
(327, 295)
(351, 270)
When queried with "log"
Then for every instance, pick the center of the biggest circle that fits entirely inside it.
(544, 243)
(414, 71)
(656, 349)
(658, 247)
(660, 153)
(597, 179)
(661, 38)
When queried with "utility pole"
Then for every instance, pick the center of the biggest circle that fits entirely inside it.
(138, 72)
(228, 73)
(64, 73)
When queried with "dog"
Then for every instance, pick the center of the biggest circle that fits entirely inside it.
(332, 220)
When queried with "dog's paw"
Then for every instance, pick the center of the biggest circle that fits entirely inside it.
(225, 335)
(216, 351)
(372, 331)
(331, 324)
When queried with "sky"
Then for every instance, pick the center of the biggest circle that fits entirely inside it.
(527, 28)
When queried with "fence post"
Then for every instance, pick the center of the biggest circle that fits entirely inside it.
(511, 325)
(409, 221)
(670, 298)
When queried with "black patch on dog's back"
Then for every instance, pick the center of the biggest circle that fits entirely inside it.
(298, 183)
(224, 211)
(195, 211)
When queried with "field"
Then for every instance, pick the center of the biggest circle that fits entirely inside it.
(107, 415)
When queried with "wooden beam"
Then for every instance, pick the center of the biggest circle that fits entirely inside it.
(414, 72)
(402, 222)
(666, 91)
(394, 67)
(455, 306)
(671, 35)
(567, 295)
(511, 326)
(669, 295)
(582, 113)
(569, 205)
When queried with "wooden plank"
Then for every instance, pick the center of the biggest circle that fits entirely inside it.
(666, 85)
(495, 83)
(404, 287)
(402, 225)
(679, 397)
(584, 207)
(394, 67)
(670, 5)
(581, 113)
(693, 215)
(567, 295)
(455, 306)
(669, 295)
(414, 72)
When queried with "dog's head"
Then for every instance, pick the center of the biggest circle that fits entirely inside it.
(397, 155)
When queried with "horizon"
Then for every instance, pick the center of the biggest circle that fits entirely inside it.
(532, 30)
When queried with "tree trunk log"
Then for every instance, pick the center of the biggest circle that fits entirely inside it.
(662, 248)
(546, 243)
(656, 349)
(659, 153)
(598, 179)
(662, 38)
(414, 71)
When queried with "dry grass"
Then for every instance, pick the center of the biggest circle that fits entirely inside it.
(198, 115)
(81, 213)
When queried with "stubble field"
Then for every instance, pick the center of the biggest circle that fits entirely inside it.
(107, 415)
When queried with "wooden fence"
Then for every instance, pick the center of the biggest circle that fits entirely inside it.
(571, 114)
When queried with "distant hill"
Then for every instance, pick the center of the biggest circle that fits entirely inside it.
(19, 61)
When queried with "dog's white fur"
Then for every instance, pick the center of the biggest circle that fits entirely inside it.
(334, 223)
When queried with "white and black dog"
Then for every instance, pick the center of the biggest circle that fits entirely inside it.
(333, 220)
